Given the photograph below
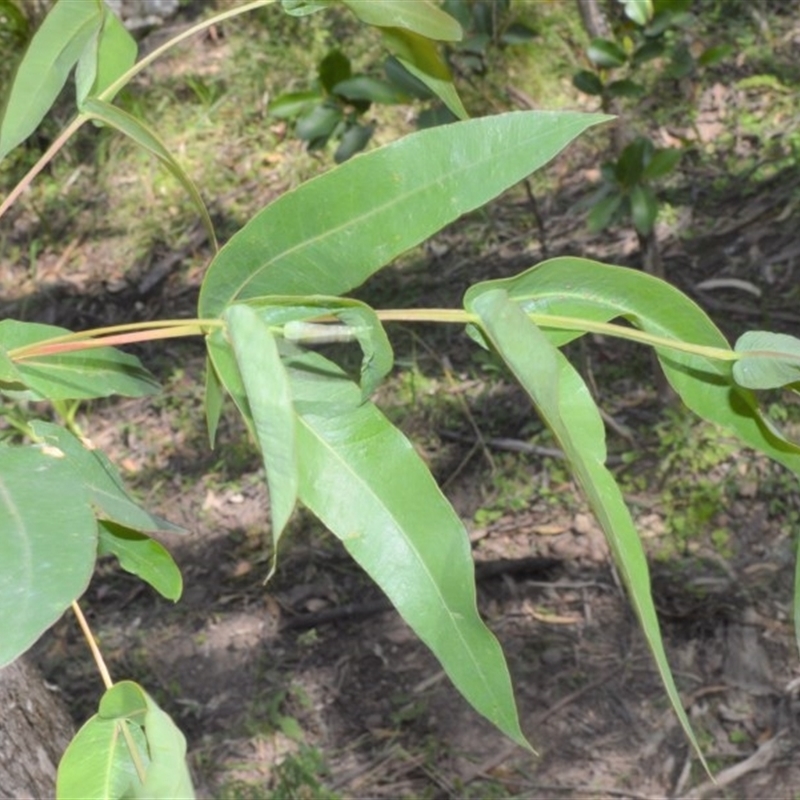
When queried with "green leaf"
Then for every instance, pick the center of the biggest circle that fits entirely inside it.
(652, 48)
(624, 88)
(661, 163)
(49, 544)
(110, 53)
(566, 406)
(387, 201)
(97, 372)
(97, 764)
(365, 481)
(302, 8)
(422, 17)
(148, 140)
(124, 700)
(772, 360)
(405, 81)
(45, 67)
(640, 11)
(362, 87)
(167, 774)
(587, 82)
(604, 211)
(291, 104)
(605, 53)
(141, 556)
(644, 208)
(353, 141)
(333, 69)
(269, 398)
(518, 33)
(713, 55)
(633, 161)
(583, 289)
(100, 479)
(319, 123)
(420, 56)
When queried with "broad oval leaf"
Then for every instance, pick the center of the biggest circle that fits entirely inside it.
(566, 406)
(141, 556)
(662, 162)
(769, 360)
(606, 53)
(97, 764)
(421, 17)
(363, 479)
(330, 234)
(45, 67)
(77, 375)
(49, 544)
(587, 82)
(362, 87)
(353, 141)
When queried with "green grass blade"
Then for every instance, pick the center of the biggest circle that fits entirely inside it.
(566, 406)
(52, 53)
(384, 202)
(363, 479)
(49, 544)
(147, 139)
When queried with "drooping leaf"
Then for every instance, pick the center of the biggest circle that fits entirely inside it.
(364, 480)
(213, 399)
(420, 56)
(141, 556)
(97, 764)
(98, 372)
(270, 401)
(565, 404)
(387, 201)
(772, 360)
(100, 479)
(147, 139)
(583, 289)
(49, 544)
(45, 67)
(108, 55)
(422, 17)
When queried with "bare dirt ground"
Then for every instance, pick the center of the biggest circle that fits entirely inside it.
(313, 672)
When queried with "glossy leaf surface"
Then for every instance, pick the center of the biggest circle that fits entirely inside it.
(49, 544)
(387, 201)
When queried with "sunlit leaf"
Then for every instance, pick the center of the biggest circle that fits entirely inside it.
(49, 544)
(771, 360)
(387, 201)
(421, 17)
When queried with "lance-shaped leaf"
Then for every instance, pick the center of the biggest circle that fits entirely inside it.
(49, 544)
(269, 400)
(147, 139)
(52, 53)
(141, 556)
(105, 490)
(581, 289)
(771, 360)
(107, 56)
(331, 233)
(363, 479)
(77, 375)
(565, 404)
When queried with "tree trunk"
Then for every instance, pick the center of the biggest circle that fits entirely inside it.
(34, 732)
(595, 21)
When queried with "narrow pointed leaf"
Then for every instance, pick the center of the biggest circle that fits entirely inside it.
(270, 401)
(214, 397)
(97, 372)
(566, 406)
(421, 16)
(387, 201)
(771, 360)
(147, 139)
(100, 479)
(110, 53)
(141, 556)
(579, 288)
(97, 764)
(49, 544)
(45, 67)
(364, 480)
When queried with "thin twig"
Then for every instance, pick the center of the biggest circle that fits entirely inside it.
(90, 640)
